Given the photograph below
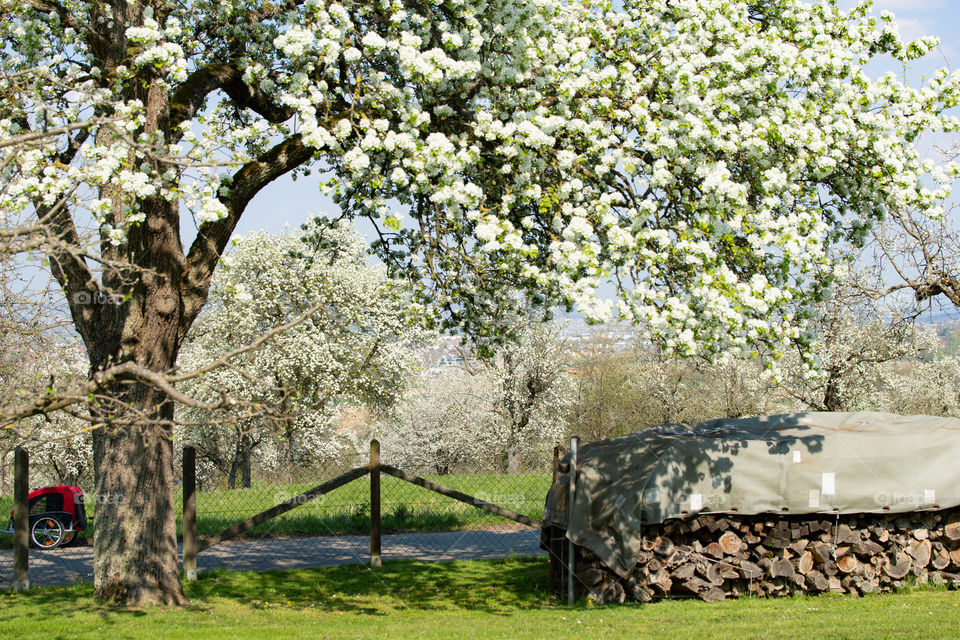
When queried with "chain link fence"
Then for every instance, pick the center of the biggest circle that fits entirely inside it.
(331, 529)
(335, 528)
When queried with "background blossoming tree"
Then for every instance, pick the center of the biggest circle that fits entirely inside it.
(501, 413)
(359, 347)
(704, 155)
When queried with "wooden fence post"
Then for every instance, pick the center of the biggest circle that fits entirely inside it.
(574, 441)
(375, 559)
(190, 513)
(21, 520)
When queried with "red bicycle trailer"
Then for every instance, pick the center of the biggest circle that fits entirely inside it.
(57, 514)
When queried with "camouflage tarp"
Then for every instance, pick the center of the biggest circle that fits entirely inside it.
(788, 464)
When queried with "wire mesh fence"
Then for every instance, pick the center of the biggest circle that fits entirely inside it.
(415, 522)
(331, 529)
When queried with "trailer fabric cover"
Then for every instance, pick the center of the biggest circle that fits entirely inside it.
(802, 463)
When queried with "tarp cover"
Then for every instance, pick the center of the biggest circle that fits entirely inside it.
(788, 464)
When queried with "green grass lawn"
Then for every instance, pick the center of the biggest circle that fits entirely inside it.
(476, 599)
(404, 507)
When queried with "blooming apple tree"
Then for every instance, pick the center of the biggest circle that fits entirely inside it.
(359, 347)
(61, 452)
(702, 154)
(858, 348)
(446, 423)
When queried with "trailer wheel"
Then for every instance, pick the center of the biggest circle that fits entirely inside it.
(46, 533)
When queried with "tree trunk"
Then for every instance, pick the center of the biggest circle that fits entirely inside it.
(245, 462)
(135, 542)
(135, 537)
(232, 476)
(514, 459)
(236, 461)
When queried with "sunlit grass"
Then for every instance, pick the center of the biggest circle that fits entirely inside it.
(475, 599)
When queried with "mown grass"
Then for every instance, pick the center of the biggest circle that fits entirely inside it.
(404, 507)
(475, 599)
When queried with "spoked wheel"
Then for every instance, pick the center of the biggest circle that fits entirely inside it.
(47, 533)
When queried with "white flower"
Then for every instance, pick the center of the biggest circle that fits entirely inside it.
(373, 41)
(211, 210)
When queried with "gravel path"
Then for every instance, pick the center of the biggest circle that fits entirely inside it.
(71, 564)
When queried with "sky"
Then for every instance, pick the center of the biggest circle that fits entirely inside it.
(286, 202)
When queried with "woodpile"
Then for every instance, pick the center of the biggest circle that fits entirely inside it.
(713, 557)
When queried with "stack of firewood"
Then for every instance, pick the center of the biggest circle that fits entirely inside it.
(713, 557)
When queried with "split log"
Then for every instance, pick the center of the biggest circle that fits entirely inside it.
(694, 586)
(750, 571)
(920, 552)
(844, 534)
(955, 559)
(662, 581)
(799, 546)
(712, 575)
(952, 528)
(867, 548)
(713, 594)
(640, 592)
(685, 572)
(817, 580)
(782, 568)
(821, 551)
(899, 568)
(848, 564)
(730, 543)
(829, 567)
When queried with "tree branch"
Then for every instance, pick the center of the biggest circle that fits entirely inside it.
(212, 237)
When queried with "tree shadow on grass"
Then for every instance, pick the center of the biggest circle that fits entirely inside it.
(491, 586)
(499, 587)
(58, 603)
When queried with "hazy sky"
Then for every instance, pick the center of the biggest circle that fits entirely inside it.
(288, 202)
